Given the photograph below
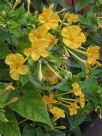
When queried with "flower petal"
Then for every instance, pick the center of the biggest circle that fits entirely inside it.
(23, 70)
(14, 74)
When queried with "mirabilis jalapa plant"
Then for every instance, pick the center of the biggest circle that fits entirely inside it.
(51, 41)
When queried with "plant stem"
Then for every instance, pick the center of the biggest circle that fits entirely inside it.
(67, 99)
(66, 93)
(53, 71)
(78, 58)
(82, 52)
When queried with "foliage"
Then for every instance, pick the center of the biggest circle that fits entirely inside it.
(50, 66)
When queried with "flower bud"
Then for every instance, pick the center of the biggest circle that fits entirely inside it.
(67, 74)
(40, 75)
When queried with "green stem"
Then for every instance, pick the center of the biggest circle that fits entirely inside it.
(13, 100)
(67, 99)
(8, 3)
(82, 52)
(78, 58)
(66, 93)
(53, 71)
(63, 10)
(22, 121)
(16, 4)
(66, 51)
(67, 106)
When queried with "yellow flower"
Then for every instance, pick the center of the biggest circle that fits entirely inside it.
(37, 50)
(76, 89)
(41, 35)
(50, 76)
(73, 37)
(92, 54)
(16, 61)
(73, 107)
(49, 100)
(100, 24)
(98, 64)
(48, 18)
(57, 113)
(71, 18)
(81, 100)
(40, 39)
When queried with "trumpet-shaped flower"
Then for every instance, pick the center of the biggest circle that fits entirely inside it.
(37, 50)
(49, 100)
(40, 34)
(57, 113)
(92, 54)
(9, 88)
(73, 37)
(71, 18)
(17, 67)
(76, 89)
(81, 100)
(50, 76)
(73, 107)
(87, 69)
(100, 24)
(48, 18)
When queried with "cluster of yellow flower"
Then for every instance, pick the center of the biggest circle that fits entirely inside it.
(41, 39)
(50, 101)
(72, 104)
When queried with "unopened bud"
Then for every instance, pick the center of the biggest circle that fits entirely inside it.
(67, 74)
(16, 4)
(9, 88)
(28, 5)
(52, 6)
(53, 40)
(40, 75)
(60, 127)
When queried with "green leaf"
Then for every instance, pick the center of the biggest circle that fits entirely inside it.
(96, 72)
(40, 132)
(80, 5)
(4, 72)
(12, 25)
(90, 20)
(28, 131)
(56, 133)
(10, 128)
(17, 16)
(24, 79)
(30, 105)
(37, 4)
(2, 116)
(75, 121)
(4, 98)
(3, 36)
(89, 85)
(4, 50)
(76, 132)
